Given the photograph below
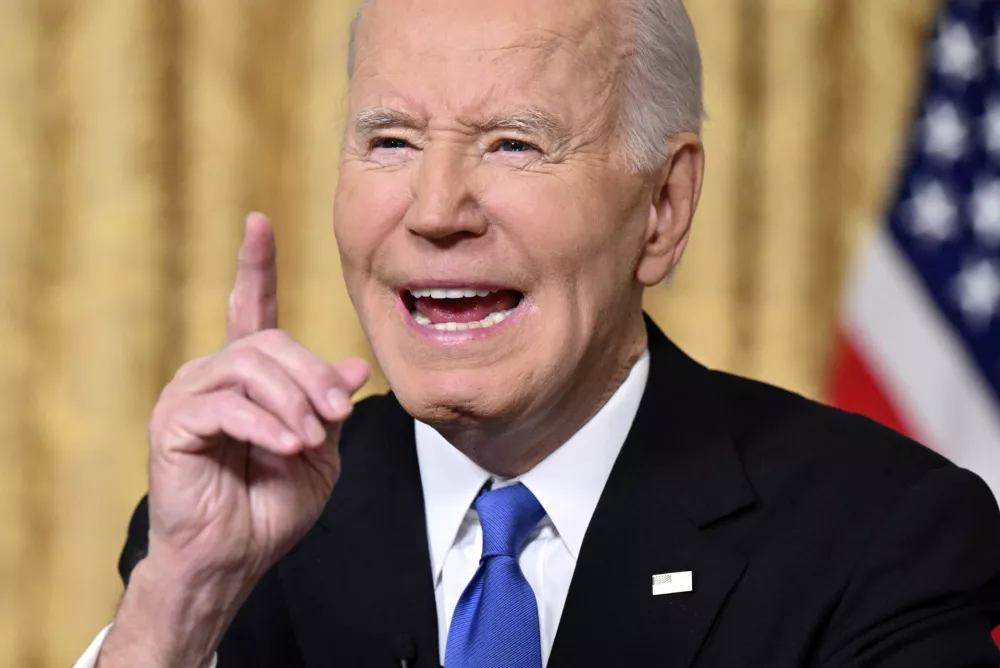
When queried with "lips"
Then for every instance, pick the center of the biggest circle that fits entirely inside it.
(460, 309)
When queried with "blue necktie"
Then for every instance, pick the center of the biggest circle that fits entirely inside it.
(495, 624)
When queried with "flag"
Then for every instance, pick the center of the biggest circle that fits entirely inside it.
(919, 340)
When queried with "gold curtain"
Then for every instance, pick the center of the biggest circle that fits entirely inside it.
(135, 134)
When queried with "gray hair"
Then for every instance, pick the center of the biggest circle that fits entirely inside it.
(661, 94)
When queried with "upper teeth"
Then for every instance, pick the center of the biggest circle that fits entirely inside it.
(450, 294)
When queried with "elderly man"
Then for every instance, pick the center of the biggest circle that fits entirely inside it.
(551, 481)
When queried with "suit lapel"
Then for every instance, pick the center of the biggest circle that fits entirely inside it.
(677, 473)
(360, 582)
(359, 585)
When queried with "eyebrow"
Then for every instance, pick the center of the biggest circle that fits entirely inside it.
(531, 121)
(376, 119)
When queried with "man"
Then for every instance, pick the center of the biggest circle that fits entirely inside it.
(551, 482)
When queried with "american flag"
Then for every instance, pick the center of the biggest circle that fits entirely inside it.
(920, 330)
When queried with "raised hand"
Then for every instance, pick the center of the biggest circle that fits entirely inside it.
(243, 457)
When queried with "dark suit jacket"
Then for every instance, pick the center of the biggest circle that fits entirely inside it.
(816, 538)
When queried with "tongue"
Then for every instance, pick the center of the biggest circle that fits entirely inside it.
(468, 310)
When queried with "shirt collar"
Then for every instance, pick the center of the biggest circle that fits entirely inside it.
(568, 483)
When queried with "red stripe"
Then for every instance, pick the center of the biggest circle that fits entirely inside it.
(854, 388)
(996, 636)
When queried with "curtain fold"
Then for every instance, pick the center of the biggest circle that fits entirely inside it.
(18, 182)
(135, 135)
(98, 313)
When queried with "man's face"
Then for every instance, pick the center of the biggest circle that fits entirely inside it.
(488, 226)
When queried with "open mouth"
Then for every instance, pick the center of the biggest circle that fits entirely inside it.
(460, 309)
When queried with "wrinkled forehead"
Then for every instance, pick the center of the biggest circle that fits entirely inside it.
(481, 54)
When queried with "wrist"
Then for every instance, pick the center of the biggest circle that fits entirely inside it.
(171, 616)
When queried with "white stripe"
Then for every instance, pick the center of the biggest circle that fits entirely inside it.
(921, 362)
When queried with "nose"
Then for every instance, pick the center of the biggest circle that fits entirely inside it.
(444, 205)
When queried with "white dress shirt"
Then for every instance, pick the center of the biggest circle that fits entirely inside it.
(568, 484)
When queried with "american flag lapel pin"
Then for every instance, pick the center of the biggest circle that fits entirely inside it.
(673, 583)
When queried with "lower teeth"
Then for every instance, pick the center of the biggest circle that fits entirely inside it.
(492, 320)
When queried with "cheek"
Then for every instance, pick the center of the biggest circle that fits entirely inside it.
(368, 207)
(571, 233)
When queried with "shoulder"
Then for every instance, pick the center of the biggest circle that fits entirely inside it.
(766, 420)
(798, 450)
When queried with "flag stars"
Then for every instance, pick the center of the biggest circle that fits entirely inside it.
(984, 209)
(977, 289)
(945, 132)
(933, 213)
(957, 53)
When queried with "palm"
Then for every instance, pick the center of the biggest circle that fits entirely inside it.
(236, 500)
(285, 496)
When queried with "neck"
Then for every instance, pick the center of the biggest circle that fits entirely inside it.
(515, 447)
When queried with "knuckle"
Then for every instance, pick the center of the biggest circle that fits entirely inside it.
(233, 410)
(298, 404)
(327, 376)
(188, 369)
(161, 417)
(245, 361)
(226, 403)
(273, 337)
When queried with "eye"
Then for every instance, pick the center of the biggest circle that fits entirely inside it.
(513, 146)
(389, 143)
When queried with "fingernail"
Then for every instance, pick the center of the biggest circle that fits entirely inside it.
(339, 402)
(314, 430)
(289, 440)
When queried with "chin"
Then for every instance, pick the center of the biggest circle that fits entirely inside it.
(487, 376)
(453, 397)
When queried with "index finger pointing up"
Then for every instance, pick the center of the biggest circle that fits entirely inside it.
(253, 304)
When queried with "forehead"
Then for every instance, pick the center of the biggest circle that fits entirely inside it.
(476, 55)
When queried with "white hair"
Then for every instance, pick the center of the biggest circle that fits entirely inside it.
(661, 94)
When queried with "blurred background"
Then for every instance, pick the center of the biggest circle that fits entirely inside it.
(136, 134)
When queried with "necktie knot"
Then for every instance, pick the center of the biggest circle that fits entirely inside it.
(495, 624)
(508, 515)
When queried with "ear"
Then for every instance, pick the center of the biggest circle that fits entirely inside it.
(675, 196)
